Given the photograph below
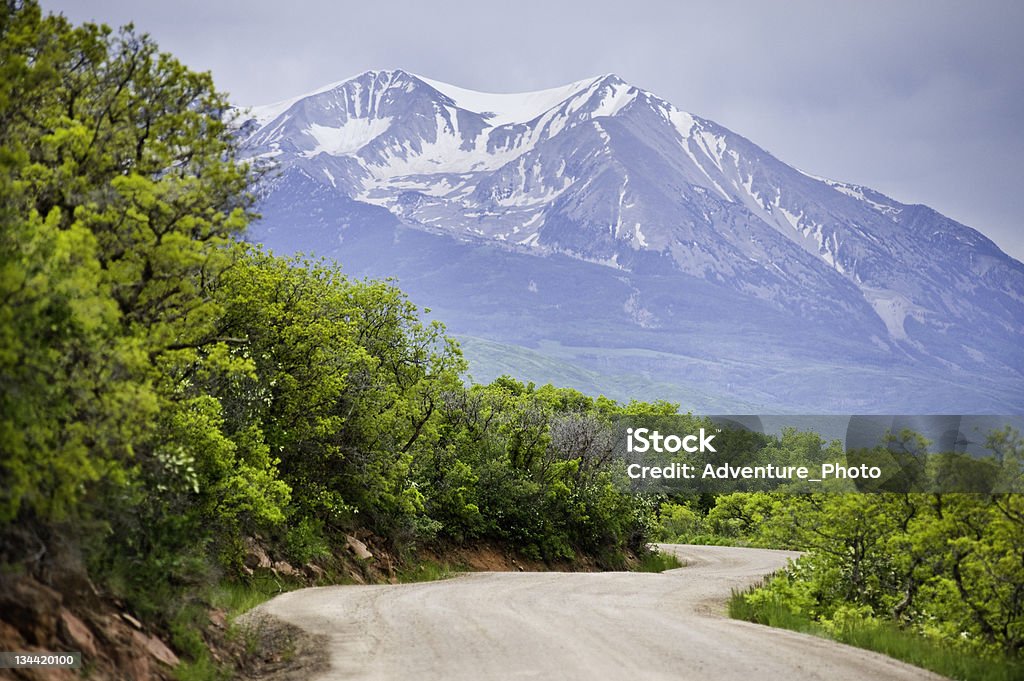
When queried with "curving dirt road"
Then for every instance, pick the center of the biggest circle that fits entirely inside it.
(593, 626)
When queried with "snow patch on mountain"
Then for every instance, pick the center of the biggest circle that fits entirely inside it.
(347, 138)
(893, 309)
(504, 109)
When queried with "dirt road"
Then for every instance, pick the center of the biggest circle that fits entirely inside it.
(589, 626)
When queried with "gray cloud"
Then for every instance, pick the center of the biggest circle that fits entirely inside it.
(921, 100)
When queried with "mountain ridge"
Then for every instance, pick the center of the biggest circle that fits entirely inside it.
(606, 173)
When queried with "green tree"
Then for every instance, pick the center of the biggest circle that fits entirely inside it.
(120, 202)
(119, 192)
(347, 386)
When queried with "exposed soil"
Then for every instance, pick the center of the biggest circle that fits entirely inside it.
(283, 652)
(491, 557)
(114, 644)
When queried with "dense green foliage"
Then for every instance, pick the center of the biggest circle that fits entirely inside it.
(119, 200)
(168, 391)
(881, 636)
(949, 566)
(946, 567)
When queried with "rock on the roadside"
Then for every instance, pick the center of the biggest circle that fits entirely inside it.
(358, 548)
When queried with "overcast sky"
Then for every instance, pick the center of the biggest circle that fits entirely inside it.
(921, 100)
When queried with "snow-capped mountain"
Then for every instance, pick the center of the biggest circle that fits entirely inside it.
(794, 279)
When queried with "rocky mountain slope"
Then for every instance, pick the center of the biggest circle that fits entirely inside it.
(596, 227)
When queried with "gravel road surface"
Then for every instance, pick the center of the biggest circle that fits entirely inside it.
(493, 626)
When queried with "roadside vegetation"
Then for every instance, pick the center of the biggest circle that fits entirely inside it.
(656, 561)
(936, 580)
(760, 605)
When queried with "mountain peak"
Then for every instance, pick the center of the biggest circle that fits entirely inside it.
(612, 78)
(497, 108)
(264, 113)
